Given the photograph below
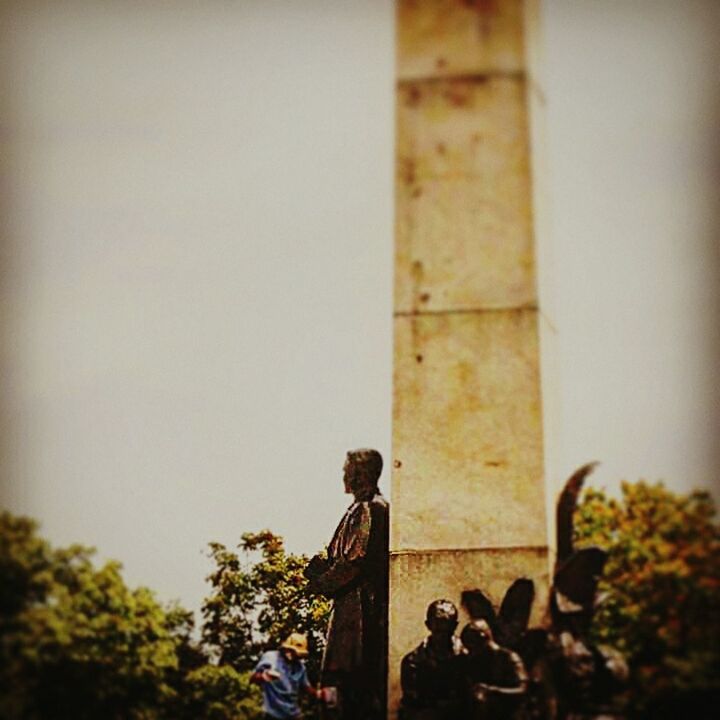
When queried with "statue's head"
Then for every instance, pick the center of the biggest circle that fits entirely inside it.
(441, 618)
(362, 471)
(476, 636)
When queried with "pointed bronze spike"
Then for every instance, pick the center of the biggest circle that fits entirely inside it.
(515, 609)
(566, 505)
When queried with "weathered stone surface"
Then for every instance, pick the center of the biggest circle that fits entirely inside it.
(467, 433)
(463, 206)
(467, 487)
(439, 38)
(416, 579)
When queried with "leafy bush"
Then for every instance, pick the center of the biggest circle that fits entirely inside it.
(257, 601)
(661, 590)
(77, 643)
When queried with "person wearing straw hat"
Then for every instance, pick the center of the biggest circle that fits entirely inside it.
(281, 674)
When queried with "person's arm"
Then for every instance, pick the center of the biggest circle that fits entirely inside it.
(315, 692)
(262, 676)
(263, 672)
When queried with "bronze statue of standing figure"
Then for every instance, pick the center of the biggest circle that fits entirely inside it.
(431, 674)
(355, 576)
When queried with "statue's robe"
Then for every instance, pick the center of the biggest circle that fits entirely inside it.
(356, 578)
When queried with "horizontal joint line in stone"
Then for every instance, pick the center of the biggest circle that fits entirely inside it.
(466, 311)
(485, 548)
(479, 77)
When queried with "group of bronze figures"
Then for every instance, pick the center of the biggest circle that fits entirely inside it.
(498, 667)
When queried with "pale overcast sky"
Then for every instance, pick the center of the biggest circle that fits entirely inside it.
(197, 247)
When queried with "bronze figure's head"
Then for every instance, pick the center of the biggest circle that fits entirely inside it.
(361, 472)
(477, 637)
(441, 618)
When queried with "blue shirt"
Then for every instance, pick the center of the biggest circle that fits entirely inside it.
(280, 695)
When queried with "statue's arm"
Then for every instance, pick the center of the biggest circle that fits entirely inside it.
(340, 575)
(342, 572)
(409, 681)
(517, 678)
(502, 690)
(520, 672)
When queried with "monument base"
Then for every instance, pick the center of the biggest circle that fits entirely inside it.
(419, 577)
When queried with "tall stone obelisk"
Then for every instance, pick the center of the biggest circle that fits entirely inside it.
(468, 502)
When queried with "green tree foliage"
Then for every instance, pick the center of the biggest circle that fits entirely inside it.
(218, 692)
(661, 590)
(258, 601)
(77, 643)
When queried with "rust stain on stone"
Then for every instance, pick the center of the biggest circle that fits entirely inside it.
(415, 342)
(417, 280)
(457, 94)
(408, 170)
(437, 38)
(484, 7)
(417, 270)
(413, 96)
